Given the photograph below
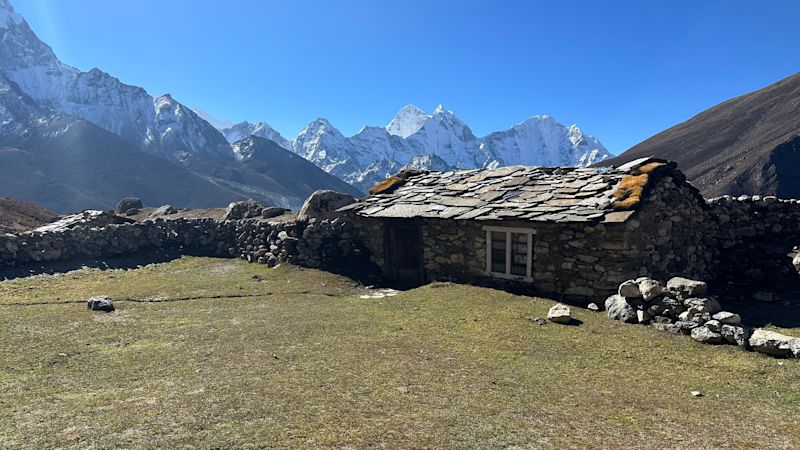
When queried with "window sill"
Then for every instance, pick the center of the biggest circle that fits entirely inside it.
(506, 276)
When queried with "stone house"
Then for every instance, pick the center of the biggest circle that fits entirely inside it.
(569, 233)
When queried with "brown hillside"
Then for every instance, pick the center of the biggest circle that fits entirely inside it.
(747, 145)
(21, 216)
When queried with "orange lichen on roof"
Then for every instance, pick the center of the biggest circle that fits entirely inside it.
(386, 185)
(629, 191)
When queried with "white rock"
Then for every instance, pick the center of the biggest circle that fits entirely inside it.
(650, 288)
(559, 314)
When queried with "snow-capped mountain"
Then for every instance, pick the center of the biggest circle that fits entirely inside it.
(242, 130)
(159, 125)
(407, 122)
(219, 124)
(441, 141)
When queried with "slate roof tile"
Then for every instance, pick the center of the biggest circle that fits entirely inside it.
(559, 194)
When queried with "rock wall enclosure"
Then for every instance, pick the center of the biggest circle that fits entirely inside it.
(329, 244)
(746, 239)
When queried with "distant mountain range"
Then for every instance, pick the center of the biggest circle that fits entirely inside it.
(747, 145)
(438, 141)
(75, 139)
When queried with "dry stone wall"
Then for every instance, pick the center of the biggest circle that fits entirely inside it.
(327, 243)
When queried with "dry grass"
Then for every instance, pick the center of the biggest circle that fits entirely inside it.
(629, 192)
(386, 185)
(300, 360)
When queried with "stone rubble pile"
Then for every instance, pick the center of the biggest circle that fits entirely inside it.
(683, 306)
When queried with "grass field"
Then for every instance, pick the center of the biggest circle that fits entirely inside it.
(199, 354)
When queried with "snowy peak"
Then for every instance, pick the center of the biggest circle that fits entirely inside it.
(219, 124)
(442, 141)
(407, 121)
(159, 125)
(8, 16)
(242, 130)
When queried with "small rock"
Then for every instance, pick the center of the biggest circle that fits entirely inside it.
(707, 336)
(642, 316)
(728, 318)
(736, 334)
(697, 393)
(629, 289)
(101, 303)
(593, 307)
(650, 288)
(537, 320)
(703, 305)
(559, 314)
(166, 210)
(273, 211)
(796, 262)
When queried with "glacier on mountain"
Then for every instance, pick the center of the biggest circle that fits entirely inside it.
(159, 125)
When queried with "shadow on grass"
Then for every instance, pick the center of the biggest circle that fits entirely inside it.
(132, 261)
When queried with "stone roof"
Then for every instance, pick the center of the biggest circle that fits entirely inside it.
(541, 194)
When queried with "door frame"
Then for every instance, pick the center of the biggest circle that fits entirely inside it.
(391, 271)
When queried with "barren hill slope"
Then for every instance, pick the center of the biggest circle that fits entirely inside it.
(21, 216)
(747, 145)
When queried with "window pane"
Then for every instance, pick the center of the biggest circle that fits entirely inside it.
(498, 251)
(519, 254)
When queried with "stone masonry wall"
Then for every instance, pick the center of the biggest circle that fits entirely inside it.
(314, 243)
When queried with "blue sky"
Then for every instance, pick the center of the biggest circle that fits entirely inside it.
(621, 70)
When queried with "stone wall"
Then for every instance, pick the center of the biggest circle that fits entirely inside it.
(329, 243)
(750, 240)
(182, 236)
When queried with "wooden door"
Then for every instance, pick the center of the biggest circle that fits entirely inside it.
(403, 245)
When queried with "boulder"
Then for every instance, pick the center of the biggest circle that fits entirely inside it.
(771, 342)
(166, 210)
(619, 309)
(629, 289)
(559, 314)
(728, 318)
(323, 204)
(101, 303)
(650, 289)
(593, 307)
(686, 288)
(127, 204)
(706, 335)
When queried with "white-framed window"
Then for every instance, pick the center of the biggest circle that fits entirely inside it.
(509, 252)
